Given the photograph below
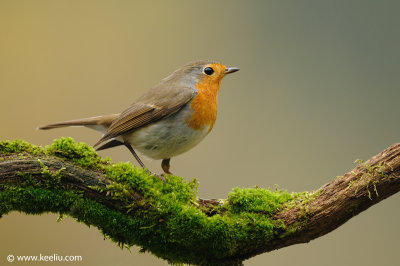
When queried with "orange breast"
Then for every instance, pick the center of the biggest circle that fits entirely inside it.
(204, 104)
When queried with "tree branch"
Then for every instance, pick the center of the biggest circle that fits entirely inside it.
(133, 208)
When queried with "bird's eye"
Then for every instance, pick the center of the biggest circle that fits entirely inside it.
(209, 71)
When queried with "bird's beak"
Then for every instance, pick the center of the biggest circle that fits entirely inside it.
(231, 70)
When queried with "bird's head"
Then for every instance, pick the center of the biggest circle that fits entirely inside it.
(203, 73)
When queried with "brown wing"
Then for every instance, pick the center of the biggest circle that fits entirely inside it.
(157, 103)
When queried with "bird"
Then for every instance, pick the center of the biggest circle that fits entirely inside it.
(169, 119)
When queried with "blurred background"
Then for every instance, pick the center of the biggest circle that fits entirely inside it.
(318, 88)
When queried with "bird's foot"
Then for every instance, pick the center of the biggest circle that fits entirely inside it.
(161, 176)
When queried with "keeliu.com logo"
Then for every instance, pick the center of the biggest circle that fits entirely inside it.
(45, 258)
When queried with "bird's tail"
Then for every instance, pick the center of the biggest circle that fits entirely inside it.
(99, 123)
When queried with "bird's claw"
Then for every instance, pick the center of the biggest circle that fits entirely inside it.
(162, 177)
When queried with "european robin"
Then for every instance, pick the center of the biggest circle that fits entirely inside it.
(169, 119)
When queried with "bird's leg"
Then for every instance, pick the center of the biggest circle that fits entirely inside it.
(165, 166)
(140, 161)
(134, 154)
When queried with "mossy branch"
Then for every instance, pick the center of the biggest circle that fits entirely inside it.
(169, 220)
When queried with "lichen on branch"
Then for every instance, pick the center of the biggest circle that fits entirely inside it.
(131, 207)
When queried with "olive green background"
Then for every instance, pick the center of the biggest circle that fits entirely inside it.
(318, 88)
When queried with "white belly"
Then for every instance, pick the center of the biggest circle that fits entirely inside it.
(166, 138)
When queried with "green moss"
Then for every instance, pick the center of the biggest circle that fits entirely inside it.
(50, 179)
(33, 200)
(256, 200)
(301, 200)
(161, 218)
(367, 179)
(18, 146)
(78, 152)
